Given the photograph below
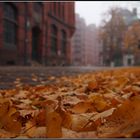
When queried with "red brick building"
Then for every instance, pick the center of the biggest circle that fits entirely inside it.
(36, 32)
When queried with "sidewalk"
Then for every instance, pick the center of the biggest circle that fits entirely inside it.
(11, 75)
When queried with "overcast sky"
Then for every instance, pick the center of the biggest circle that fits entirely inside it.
(92, 11)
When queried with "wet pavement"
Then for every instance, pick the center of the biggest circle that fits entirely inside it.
(10, 77)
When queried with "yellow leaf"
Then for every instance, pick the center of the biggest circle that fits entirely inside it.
(7, 120)
(41, 118)
(9, 123)
(11, 111)
(83, 107)
(53, 124)
(81, 122)
(124, 121)
(6, 134)
(33, 131)
(92, 85)
(99, 102)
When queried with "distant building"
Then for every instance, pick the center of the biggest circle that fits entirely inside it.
(130, 57)
(36, 32)
(78, 42)
(92, 47)
(129, 16)
(85, 47)
(131, 52)
(119, 55)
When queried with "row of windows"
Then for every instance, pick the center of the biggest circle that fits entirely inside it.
(10, 29)
(9, 32)
(38, 7)
(58, 7)
(10, 25)
(54, 33)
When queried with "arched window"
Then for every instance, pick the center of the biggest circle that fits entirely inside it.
(53, 39)
(10, 24)
(63, 42)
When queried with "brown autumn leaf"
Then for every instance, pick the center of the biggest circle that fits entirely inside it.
(67, 133)
(4, 100)
(4, 109)
(44, 103)
(33, 131)
(22, 94)
(79, 115)
(114, 102)
(8, 120)
(53, 124)
(89, 121)
(120, 81)
(3, 112)
(11, 111)
(92, 85)
(71, 100)
(99, 102)
(8, 124)
(82, 122)
(40, 119)
(66, 117)
(124, 121)
(83, 107)
(6, 134)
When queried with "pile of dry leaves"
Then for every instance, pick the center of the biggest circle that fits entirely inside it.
(93, 105)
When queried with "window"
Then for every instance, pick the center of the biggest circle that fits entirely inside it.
(59, 9)
(54, 7)
(129, 61)
(38, 11)
(53, 39)
(63, 11)
(10, 24)
(38, 7)
(64, 41)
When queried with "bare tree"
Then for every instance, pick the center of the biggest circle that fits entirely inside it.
(111, 35)
(132, 41)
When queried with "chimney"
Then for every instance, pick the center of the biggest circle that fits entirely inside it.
(135, 11)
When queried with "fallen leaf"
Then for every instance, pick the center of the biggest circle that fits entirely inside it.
(83, 107)
(124, 121)
(53, 124)
(92, 85)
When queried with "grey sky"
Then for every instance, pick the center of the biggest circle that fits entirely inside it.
(92, 11)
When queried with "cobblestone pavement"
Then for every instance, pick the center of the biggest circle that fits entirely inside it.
(12, 76)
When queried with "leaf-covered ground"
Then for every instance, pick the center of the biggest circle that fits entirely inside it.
(93, 105)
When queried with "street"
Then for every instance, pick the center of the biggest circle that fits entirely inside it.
(13, 76)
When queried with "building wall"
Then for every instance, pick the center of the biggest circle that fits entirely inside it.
(85, 45)
(92, 46)
(38, 18)
(78, 42)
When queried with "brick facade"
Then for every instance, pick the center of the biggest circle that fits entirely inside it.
(34, 22)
